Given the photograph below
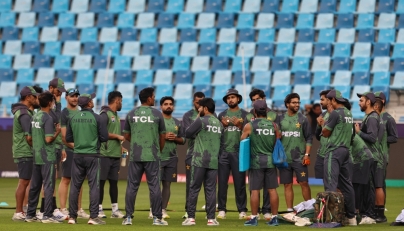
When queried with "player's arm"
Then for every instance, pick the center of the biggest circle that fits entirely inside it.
(186, 121)
(111, 136)
(391, 128)
(246, 131)
(126, 128)
(102, 129)
(370, 136)
(307, 135)
(63, 125)
(194, 128)
(51, 131)
(330, 124)
(162, 131)
(69, 133)
(180, 138)
(58, 111)
(25, 122)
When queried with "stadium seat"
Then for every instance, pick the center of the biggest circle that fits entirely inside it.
(359, 89)
(175, 6)
(161, 62)
(317, 90)
(306, 35)
(284, 50)
(280, 63)
(238, 64)
(5, 61)
(383, 49)
(225, 20)
(89, 35)
(305, 21)
(65, 75)
(346, 35)
(128, 34)
(245, 21)
(136, 6)
(117, 6)
(281, 78)
(10, 33)
(207, 49)
(400, 7)
(68, 34)
(144, 77)
(361, 64)
(131, 48)
(8, 89)
(387, 36)
(266, 35)
(200, 63)
(285, 20)
(183, 91)
(85, 77)
(347, 6)
(290, 6)
(24, 76)
(280, 92)
(227, 49)
(12, 48)
(227, 35)
(381, 64)
(145, 20)
(104, 76)
(181, 63)
(222, 77)
(122, 62)
(113, 47)
(252, 6)
(302, 77)
(220, 63)
(328, 6)
(183, 77)
(206, 20)
(142, 63)
(207, 35)
(270, 6)
(66, 20)
(345, 21)
(220, 91)
(366, 6)
(46, 19)
(304, 91)
(365, 35)
(326, 36)
(126, 89)
(260, 63)
(170, 50)
(265, 49)
(105, 20)
(322, 49)
(52, 48)
(238, 77)
(202, 78)
(155, 6)
(44, 75)
(286, 35)
(398, 65)
(26, 19)
(248, 48)
(152, 49)
(321, 64)
(194, 6)
(213, 6)
(325, 21)
(365, 21)
(386, 20)
(186, 20)
(398, 82)
(321, 78)
(164, 90)
(124, 76)
(189, 49)
(21, 61)
(262, 78)
(188, 35)
(340, 64)
(165, 20)
(100, 62)
(30, 34)
(233, 6)
(71, 48)
(91, 48)
(398, 51)
(361, 78)
(5, 6)
(85, 20)
(108, 34)
(303, 49)
(342, 78)
(125, 20)
(265, 20)
(86, 88)
(342, 50)
(163, 77)
(246, 35)
(82, 62)
(300, 64)
(6, 75)
(308, 6)
(361, 50)
(62, 62)
(7, 19)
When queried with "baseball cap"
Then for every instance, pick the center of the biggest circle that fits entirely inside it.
(232, 92)
(72, 91)
(84, 99)
(337, 95)
(58, 83)
(28, 91)
(380, 95)
(368, 94)
(260, 105)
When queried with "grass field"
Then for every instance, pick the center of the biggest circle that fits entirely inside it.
(395, 202)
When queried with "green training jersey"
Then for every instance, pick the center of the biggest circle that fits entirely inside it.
(21, 129)
(360, 152)
(262, 138)
(188, 118)
(207, 131)
(42, 127)
(232, 134)
(170, 147)
(323, 140)
(372, 132)
(64, 118)
(296, 135)
(340, 123)
(391, 129)
(56, 114)
(111, 148)
(144, 124)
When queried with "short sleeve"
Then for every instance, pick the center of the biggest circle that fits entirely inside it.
(49, 127)
(332, 121)
(126, 126)
(25, 121)
(162, 125)
(63, 119)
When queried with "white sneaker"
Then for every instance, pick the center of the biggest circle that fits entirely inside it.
(39, 215)
(157, 221)
(150, 215)
(18, 217)
(82, 214)
(165, 215)
(58, 215)
(185, 216)
(72, 221)
(221, 215)
(65, 212)
(242, 215)
(267, 216)
(101, 214)
(189, 221)
(352, 222)
(213, 222)
(367, 221)
(117, 214)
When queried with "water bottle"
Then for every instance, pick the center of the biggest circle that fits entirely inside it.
(123, 160)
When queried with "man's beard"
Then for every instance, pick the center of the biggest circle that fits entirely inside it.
(201, 114)
(232, 105)
(36, 106)
(167, 112)
(363, 109)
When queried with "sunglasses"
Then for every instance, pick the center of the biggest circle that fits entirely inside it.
(73, 90)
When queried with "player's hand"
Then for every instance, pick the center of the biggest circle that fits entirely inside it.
(121, 138)
(170, 136)
(320, 120)
(57, 128)
(357, 128)
(306, 160)
(63, 157)
(238, 122)
(225, 121)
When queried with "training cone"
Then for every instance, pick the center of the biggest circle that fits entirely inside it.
(3, 204)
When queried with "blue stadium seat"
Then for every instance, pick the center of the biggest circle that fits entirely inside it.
(79, 6)
(382, 49)
(183, 77)
(304, 90)
(52, 48)
(85, 20)
(12, 48)
(136, 6)
(165, 20)
(26, 19)
(308, 6)
(347, 35)
(82, 62)
(227, 49)
(148, 35)
(100, 62)
(265, 49)
(232, 6)
(252, 6)
(280, 92)
(300, 64)
(386, 20)
(163, 77)
(262, 78)
(114, 47)
(248, 47)
(182, 105)
(152, 49)
(302, 77)
(206, 20)
(5, 5)
(381, 64)
(207, 35)
(347, 6)
(161, 62)
(202, 78)
(400, 36)
(220, 63)
(8, 89)
(41, 61)
(303, 49)
(91, 48)
(245, 21)
(361, 78)
(126, 90)
(290, 6)
(5, 61)
(326, 36)
(285, 20)
(41, 5)
(122, 62)
(32, 48)
(104, 76)
(342, 50)
(86, 88)
(305, 21)
(345, 21)
(317, 90)
(181, 63)
(125, 20)
(265, 20)
(340, 64)
(398, 65)
(398, 51)
(306, 35)
(342, 78)
(66, 20)
(65, 75)
(144, 77)
(200, 63)
(365, 21)
(131, 48)
(164, 90)
(260, 63)
(108, 34)
(155, 6)
(225, 20)
(69, 34)
(46, 19)
(128, 34)
(321, 78)
(286, 35)
(400, 7)
(25, 76)
(105, 20)
(30, 34)
(325, 21)
(6, 75)
(214, 6)
(44, 75)
(175, 6)
(189, 49)
(322, 49)
(124, 76)
(320, 64)
(328, 6)
(270, 6)
(195, 6)
(220, 91)
(145, 20)
(361, 50)
(281, 78)
(366, 35)
(227, 35)
(284, 50)
(266, 35)
(238, 77)
(170, 50)
(186, 20)
(238, 64)
(359, 89)
(280, 63)
(89, 35)
(398, 82)
(117, 6)
(98, 6)
(188, 35)
(361, 64)
(207, 49)
(387, 36)
(168, 35)
(366, 6)
(10, 33)
(100, 90)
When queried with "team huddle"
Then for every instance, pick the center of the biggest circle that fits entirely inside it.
(351, 159)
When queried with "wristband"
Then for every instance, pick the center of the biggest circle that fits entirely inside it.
(307, 154)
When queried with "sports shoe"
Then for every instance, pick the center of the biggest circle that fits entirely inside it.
(251, 222)
(397, 223)
(117, 214)
(72, 221)
(189, 221)
(31, 219)
(185, 216)
(213, 222)
(59, 215)
(96, 221)
(242, 215)
(382, 219)
(367, 221)
(82, 214)
(64, 211)
(267, 216)
(39, 215)
(51, 220)
(157, 221)
(352, 221)
(273, 221)
(165, 215)
(18, 217)
(150, 215)
(127, 221)
(221, 215)
(101, 214)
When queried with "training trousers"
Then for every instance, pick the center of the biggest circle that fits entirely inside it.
(42, 174)
(82, 167)
(135, 172)
(188, 160)
(227, 162)
(207, 177)
(337, 175)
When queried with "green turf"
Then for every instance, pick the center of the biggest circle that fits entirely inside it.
(395, 202)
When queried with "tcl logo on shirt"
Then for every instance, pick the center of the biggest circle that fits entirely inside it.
(290, 134)
(213, 129)
(35, 124)
(265, 132)
(142, 119)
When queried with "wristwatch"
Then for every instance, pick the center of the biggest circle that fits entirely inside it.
(307, 154)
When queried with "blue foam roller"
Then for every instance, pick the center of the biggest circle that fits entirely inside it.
(244, 158)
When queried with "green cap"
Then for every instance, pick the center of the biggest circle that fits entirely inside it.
(337, 95)
(58, 83)
(84, 99)
(369, 95)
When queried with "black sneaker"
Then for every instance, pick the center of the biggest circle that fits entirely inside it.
(397, 224)
(381, 219)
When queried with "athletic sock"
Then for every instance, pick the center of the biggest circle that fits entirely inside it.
(99, 207)
(114, 207)
(42, 209)
(380, 210)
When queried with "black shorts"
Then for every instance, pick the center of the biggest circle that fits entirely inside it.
(58, 158)
(319, 167)
(266, 178)
(110, 168)
(25, 166)
(168, 170)
(379, 177)
(67, 164)
(301, 172)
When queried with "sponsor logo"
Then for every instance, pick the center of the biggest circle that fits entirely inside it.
(214, 129)
(142, 119)
(290, 134)
(35, 124)
(265, 132)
